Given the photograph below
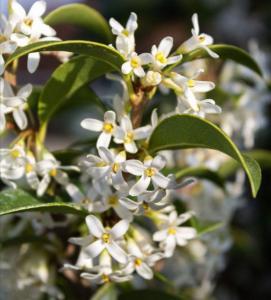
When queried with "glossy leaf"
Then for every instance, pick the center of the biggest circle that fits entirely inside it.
(17, 201)
(80, 15)
(66, 80)
(187, 131)
(96, 50)
(225, 52)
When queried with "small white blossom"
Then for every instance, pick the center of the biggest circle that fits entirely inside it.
(126, 135)
(107, 238)
(135, 63)
(173, 234)
(198, 40)
(149, 172)
(152, 78)
(160, 54)
(106, 127)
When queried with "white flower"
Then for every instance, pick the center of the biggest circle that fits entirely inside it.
(103, 273)
(12, 165)
(152, 78)
(106, 127)
(149, 172)
(11, 103)
(31, 171)
(141, 261)
(107, 166)
(126, 135)
(160, 54)
(29, 28)
(50, 168)
(198, 40)
(135, 63)
(107, 238)
(172, 234)
(6, 45)
(125, 42)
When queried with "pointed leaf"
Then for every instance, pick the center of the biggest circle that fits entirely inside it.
(17, 201)
(80, 15)
(187, 131)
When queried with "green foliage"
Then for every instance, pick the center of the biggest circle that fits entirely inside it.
(147, 295)
(95, 50)
(106, 292)
(83, 16)
(16, 201)
(225, 52)
(186, 131)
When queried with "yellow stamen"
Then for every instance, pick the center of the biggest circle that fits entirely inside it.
(15, 153)
(171, 231)
(28, 168)
(202, 38)
(146, 206)
(28, 22)
(161, 57)
(86, 201)
(113, 200)
(149, 172)
(125, 32)
(53, 172)
(135, 63)
(108, 127)
(191, 83)
(2, 38)
(105, 278)
(115, 167)
(138, 262)
(106, 237)
(129, 138)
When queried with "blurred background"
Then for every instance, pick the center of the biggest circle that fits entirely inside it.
(247, 274)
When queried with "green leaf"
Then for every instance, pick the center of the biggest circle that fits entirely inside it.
(106, 292)
(66, 80)
(187, 131)
(147, 295)
(225, 52)
(263, 157)
(96, 50)
(202, 173)
(80, 15)
(17, 201)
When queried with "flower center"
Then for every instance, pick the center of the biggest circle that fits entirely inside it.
(113, 200)
(105, 278)
(86, 201)
(28, 168)
(202, 38)
(2, 38)
(191, 83)
(135, 63)
(149, 172)
(115, 167)
(108, 127)
(129, 138)
(161, 57)
(53, 172)
(15, 153)
(106, 237)
(28, 22)
(138, 262)
(125, 32)
(146, 206)
(171, 231)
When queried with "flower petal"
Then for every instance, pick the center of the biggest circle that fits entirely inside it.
(95, 226)
(141, 186)
(33, 62)
(95, 248)
(116, 252)
(120, 228)
(92, 124)
(166, 45)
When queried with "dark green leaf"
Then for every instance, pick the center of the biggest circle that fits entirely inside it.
(66, 80)
(96, 50)
(17, 201)
(225, 52)
(106, 292)
(80, 15)
(187, 131)
(202, 173)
